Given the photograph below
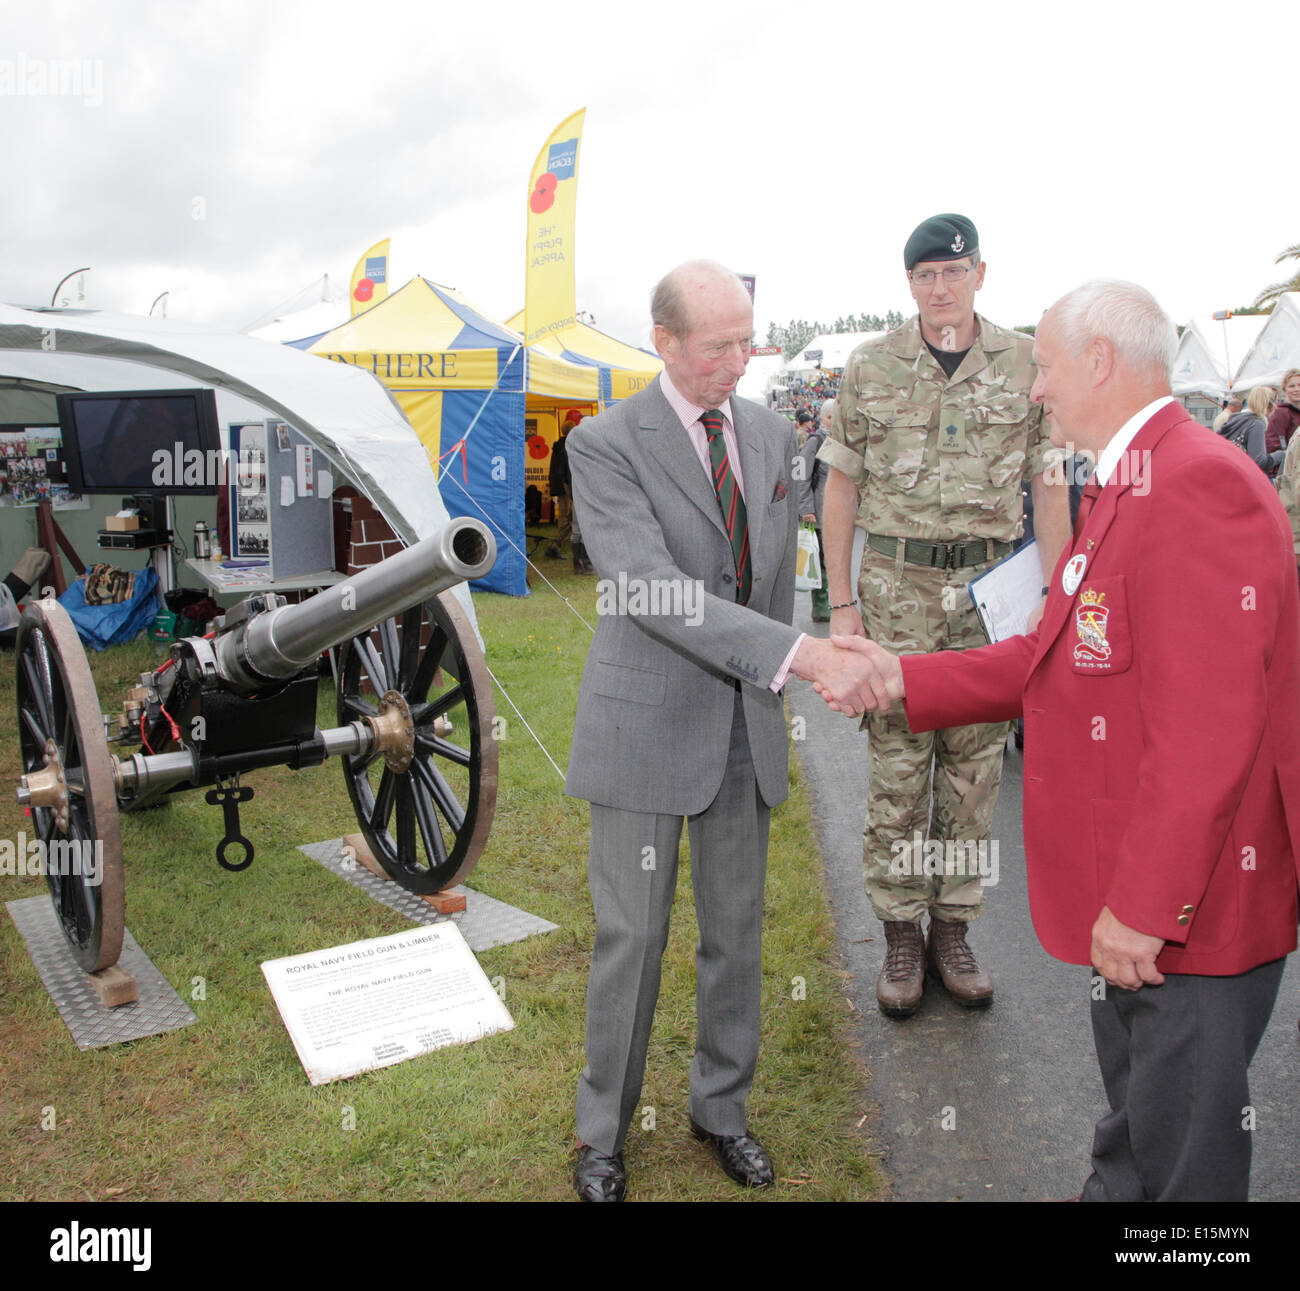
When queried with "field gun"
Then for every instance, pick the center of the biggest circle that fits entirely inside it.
(414, 731)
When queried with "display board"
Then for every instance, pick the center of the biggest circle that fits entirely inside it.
(33, 469)
(280, 507)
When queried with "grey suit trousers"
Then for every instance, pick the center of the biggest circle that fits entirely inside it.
(1173, 1059)
(633, 875)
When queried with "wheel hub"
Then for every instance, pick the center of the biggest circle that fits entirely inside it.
(47, 788)
(394, 731)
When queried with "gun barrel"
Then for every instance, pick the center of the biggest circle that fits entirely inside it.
(282, 642)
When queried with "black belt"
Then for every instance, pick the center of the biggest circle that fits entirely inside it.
(940, 555)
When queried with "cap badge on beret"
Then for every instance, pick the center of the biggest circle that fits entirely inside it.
(941, 237)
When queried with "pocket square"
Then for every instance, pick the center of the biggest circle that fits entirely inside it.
(779, 492)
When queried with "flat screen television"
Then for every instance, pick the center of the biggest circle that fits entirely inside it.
(142, 441)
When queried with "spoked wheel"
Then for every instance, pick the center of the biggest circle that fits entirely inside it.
(424, 798)
(69, 784)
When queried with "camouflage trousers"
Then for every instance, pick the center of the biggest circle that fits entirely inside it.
(931, 796)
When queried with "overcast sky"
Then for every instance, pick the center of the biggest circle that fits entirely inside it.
(233, 151)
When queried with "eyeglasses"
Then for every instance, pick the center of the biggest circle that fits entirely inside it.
(953, 273)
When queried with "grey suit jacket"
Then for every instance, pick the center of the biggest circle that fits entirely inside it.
(658, 690)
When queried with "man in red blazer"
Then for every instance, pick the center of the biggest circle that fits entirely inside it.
(1161, 698)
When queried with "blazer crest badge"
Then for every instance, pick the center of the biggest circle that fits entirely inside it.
(1090, 617)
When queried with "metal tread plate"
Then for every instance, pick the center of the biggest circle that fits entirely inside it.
(92, 1025)
(485, 922)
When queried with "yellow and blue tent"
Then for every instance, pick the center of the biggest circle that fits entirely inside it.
(466, 385)
(622, 369)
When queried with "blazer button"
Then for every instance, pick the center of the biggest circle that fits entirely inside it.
(1189, 909)
(728, 578)
(1184, 920)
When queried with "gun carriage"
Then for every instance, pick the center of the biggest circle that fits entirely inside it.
(414, 735)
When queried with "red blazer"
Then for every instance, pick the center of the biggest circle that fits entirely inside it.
(1161, 699)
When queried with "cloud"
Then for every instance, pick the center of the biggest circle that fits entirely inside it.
(242, 149)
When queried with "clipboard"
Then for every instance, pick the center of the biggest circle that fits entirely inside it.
(1005, 594)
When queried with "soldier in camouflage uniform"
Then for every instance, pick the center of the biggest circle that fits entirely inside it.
(934, 434)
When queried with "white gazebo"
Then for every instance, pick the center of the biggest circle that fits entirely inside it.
(1276, 348)
(1210, 350)
(830, 351)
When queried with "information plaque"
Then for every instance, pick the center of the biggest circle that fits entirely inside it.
(350, 1009)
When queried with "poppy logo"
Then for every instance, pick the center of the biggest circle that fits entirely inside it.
(543, 196)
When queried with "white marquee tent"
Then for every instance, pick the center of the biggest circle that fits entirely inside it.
(829, 350)
(344, 411)
(1277, 347)
(317, 309)
(763, 372)
(303, 326)
(1210, 351)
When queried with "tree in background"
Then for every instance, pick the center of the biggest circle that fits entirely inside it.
(793, 337)
(1270, 294)
(798, 332)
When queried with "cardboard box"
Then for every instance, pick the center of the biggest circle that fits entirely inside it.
(123, 524)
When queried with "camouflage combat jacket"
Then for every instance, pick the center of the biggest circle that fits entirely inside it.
(934, 457)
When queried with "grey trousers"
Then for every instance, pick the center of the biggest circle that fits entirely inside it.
(1173, 1059)
(633, 875)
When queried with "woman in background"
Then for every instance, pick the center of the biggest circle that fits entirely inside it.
(1286, 416)
(1248, 427)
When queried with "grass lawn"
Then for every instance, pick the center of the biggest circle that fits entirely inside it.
(222, 1110)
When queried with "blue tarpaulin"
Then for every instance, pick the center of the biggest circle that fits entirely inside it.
(100, 626)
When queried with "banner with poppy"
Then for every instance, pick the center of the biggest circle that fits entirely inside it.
(370, 278)
(549, 298)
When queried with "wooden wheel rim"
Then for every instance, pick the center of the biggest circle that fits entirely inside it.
(57, 701)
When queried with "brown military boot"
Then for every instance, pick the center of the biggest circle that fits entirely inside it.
(951, 959)
(902, 978)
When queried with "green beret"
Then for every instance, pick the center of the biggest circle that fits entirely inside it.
(941, 237)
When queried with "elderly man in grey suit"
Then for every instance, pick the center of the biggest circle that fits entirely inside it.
(689, 507)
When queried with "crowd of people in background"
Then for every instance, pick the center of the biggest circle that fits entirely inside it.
(1261, 423)
(800, 395)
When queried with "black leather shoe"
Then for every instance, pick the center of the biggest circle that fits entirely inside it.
(598, 1177)
(743, 1158)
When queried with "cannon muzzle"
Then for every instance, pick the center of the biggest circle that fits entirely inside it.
(280, 642)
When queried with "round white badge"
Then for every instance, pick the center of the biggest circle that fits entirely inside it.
(1072, 575)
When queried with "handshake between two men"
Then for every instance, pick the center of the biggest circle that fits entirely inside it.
(852, 674)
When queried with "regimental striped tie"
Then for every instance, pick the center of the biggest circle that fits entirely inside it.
(1091, 492)
(734, 517)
